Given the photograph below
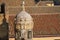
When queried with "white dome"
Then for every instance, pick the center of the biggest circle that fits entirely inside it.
(24, 15)
(25, 18)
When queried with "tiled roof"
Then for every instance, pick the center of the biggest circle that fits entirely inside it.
(46, 25)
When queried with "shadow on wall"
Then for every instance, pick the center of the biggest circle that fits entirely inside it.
(56, 2)
(4, 38)
(36, 1)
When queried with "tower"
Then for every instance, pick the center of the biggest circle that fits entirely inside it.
(24, 25)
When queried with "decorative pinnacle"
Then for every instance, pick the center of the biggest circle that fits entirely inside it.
(23, 5)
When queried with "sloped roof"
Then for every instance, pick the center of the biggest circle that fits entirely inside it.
(46, 25)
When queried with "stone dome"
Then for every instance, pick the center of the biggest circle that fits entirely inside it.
(24, 18)
(24, 15)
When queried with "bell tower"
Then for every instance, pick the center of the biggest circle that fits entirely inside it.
(24, 25)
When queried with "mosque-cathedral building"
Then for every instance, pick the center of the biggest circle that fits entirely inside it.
(45, 14)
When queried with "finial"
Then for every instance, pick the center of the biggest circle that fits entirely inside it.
(23, 5)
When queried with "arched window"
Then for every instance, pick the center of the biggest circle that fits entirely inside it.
(2, 8)
(29, 34)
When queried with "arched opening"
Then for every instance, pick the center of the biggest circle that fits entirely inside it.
(36, 1)
(22, 39)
